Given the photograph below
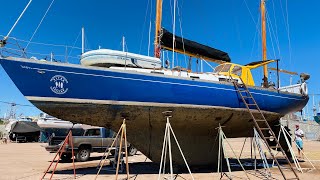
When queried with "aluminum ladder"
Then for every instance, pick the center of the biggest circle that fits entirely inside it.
(264, 126)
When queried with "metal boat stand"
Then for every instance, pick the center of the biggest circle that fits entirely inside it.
(113, 160)
(222, 151)
(123, 137)
(286, 134)
(167, 148)
(258, 144)
(67, 141)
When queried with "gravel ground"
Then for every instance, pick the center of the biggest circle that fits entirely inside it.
(30, 160)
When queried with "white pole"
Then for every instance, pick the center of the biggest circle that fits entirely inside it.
(163, 150)
(174, 30)
(163, 59)
(279, 80)
(219, 152)
(184, 159)
(149, 38)
(7, 36)
(313, 100)
(82, 40)
(123, 43)
(51, 56)
(307, 113)
(295, 160)
(170, 152)
(165, 156)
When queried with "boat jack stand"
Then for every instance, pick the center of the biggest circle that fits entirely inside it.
(286, 134)
(123, 131)
(167, 148)
(67, 141)
(222, 150)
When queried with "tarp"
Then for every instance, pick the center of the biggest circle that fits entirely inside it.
(25, 127)
(192, 47)
(317, 118)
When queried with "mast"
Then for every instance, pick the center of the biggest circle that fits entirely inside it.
(264, 42)
(158, 28)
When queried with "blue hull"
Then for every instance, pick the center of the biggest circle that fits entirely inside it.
(37, 79)
(100, 97)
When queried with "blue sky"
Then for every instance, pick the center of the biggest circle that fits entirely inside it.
(229, 25)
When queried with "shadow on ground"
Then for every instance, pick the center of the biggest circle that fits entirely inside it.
(153, 168)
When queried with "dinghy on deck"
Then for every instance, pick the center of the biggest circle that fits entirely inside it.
(108, 58)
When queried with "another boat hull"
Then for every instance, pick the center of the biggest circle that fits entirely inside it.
(99, 96)
(317, 118)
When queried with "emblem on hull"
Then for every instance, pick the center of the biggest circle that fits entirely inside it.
(59, 84)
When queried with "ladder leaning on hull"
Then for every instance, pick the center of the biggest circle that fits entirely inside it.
(242, 88)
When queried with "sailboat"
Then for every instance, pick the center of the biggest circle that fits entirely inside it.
(199, 102)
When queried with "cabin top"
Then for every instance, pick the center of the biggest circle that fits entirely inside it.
(240, 71)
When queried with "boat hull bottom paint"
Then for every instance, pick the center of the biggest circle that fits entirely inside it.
(195, 128)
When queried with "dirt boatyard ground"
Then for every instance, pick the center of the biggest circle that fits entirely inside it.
(29, 160)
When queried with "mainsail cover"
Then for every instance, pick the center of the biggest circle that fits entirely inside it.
(192, 48)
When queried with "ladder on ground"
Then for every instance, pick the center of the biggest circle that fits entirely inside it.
(261, 124)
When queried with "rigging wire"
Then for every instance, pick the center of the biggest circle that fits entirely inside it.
(46, 44)
(209, 65)
(289, 39)
(256, 23)
(270, 34)
(174, 30)
(34, 53)
(6, 37)
(250, 12)
(39, 24)
(150, 27)
(276, 29)
(6, 102)
(149, 39)
(74, 43)
(286, 21)
(143, 27)
(180, 22)
(257, 33)
(253, 45)
(86, 42)
(273, 33)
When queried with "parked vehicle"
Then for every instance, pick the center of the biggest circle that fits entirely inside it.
(93, 140)
(24, 131)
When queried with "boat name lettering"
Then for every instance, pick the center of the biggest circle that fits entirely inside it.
(25, 67)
